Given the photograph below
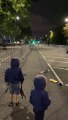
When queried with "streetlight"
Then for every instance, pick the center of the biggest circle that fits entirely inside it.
(45, 35)
(17, 18)
(50, 31)
(66, 20)
(66, 27)
(66, 33)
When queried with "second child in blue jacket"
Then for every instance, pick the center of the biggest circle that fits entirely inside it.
(14, 78)
(39, 97)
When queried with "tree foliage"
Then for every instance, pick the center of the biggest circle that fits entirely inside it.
(65, 28)
(59, 35)
(9, 9)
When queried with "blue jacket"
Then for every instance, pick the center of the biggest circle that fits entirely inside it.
(14, 74)
(39, 97)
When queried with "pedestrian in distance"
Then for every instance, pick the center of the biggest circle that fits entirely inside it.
(14, 78)
(39, 97)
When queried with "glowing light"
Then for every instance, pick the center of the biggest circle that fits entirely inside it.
(66, 19)
(17, 17)
(50, 31)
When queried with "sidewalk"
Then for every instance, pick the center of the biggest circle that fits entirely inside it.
(13, 113)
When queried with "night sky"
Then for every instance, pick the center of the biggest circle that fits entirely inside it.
(46, 14)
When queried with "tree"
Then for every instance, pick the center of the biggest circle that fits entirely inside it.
(65, 28)
(52, 37)
(9, 9)
(59, 35)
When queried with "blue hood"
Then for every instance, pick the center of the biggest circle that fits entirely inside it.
(15, 62)
(40, 82)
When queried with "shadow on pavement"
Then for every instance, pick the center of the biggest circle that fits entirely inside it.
(21, 114)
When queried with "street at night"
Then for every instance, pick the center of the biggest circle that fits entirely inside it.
(33, 60)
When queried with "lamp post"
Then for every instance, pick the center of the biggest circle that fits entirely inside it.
(52, 37)
(17, 18)
(66, 27)
(66, 33)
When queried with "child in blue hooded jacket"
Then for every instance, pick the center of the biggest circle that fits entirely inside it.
(14, 78)
(39, 97)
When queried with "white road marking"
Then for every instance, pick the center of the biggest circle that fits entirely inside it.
(57, 61)
(52, 69)
(60, 68)
(55, 74)
(5, 59)
(56, 54)
(14, 47)
(56, 57)
(43, 57)
(66, 85)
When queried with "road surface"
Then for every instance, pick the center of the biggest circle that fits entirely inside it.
(35, 64)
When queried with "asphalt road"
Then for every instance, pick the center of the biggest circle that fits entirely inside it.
(35, 64)
(57, 58)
